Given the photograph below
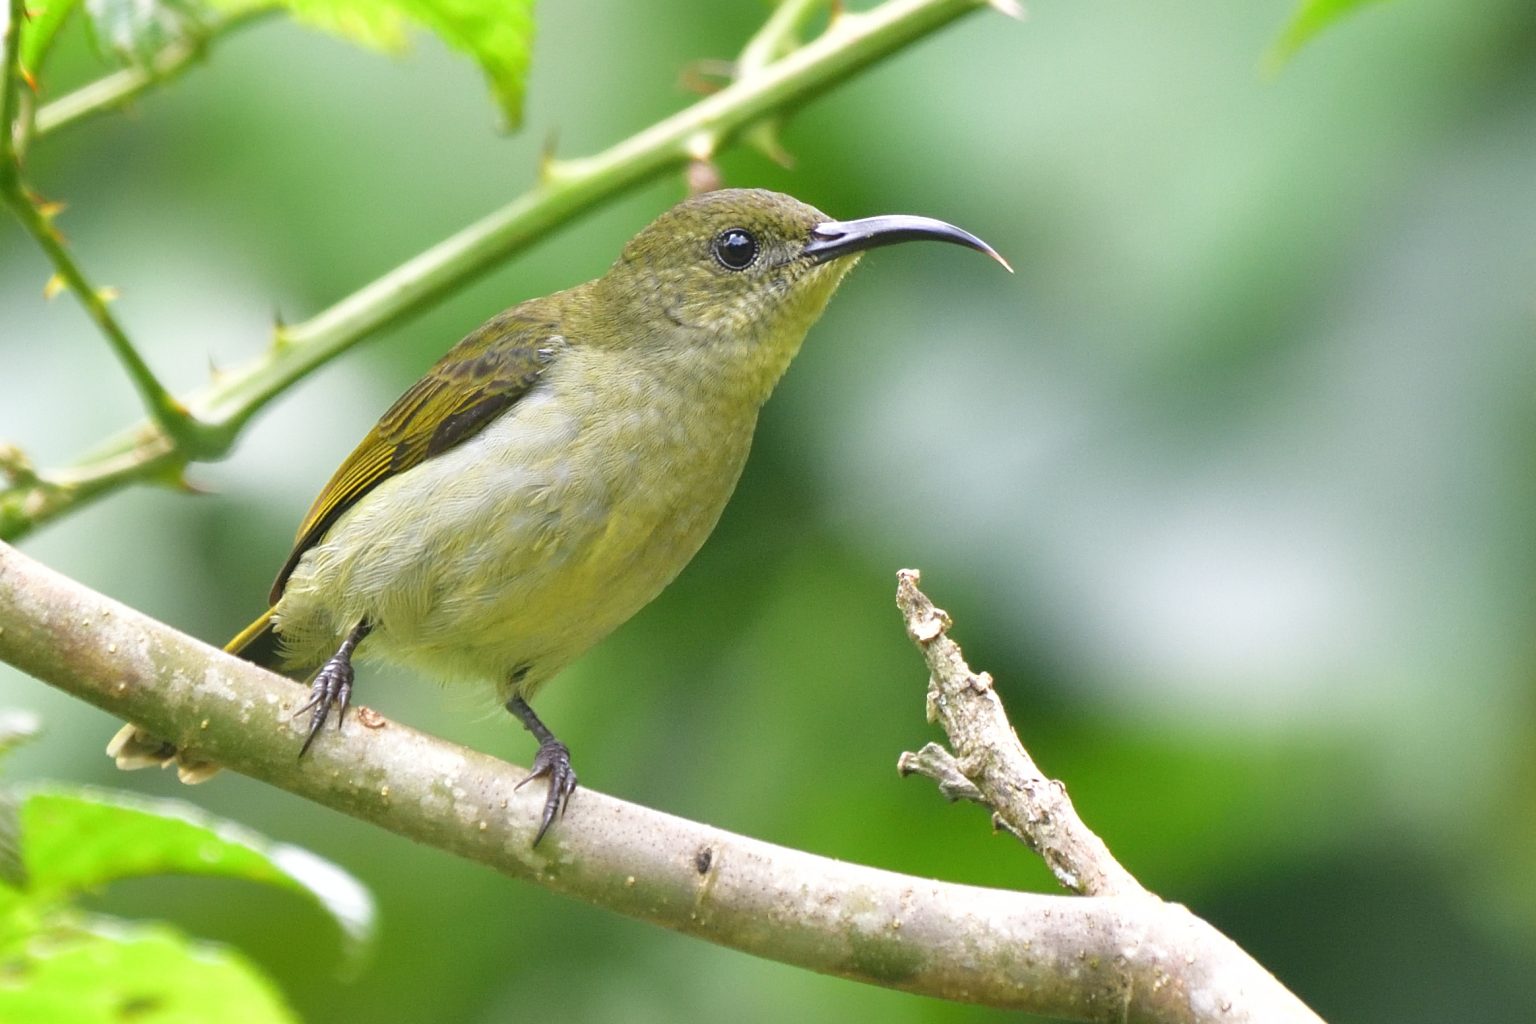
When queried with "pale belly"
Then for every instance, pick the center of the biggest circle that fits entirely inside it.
(507, 557)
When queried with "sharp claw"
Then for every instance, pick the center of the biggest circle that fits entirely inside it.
(321, 704)
(332, 688)
(343, 701)
(314, 729)
(547, 820)
(553, 762)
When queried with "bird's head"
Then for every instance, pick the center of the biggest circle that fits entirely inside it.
(752, 264)
(724, 286)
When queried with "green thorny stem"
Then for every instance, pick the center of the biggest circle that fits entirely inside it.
(170, 417)
(10, 87)
(127, 84)
(565, 190)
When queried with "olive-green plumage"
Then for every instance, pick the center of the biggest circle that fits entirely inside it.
(617, 416)
(560, 466)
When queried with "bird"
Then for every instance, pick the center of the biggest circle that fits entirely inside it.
(555, 469)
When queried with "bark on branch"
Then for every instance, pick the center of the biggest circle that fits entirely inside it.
(1091, 958)
(990, 759)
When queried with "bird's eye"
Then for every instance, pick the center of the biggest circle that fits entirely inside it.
(735, 248)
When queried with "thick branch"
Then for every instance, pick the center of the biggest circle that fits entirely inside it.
(568, 188)
(988, 754)
(1082, 958)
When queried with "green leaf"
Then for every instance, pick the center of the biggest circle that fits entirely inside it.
(39, 31)
(497, 34)
(134, 31)
(117, 974)
(1310, 18)
(79, 839)
(379, 24)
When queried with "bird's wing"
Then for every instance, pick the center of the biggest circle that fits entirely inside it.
(480, 378)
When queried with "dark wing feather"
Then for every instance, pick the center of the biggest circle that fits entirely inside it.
(479, 379)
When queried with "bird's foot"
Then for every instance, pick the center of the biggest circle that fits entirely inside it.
(332, 688)
(553, 761)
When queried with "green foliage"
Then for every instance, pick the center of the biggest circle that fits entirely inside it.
(93, 973)
(39, 31)
(57, 964)
(1311, 17)
(496, 34)
(75, 840)
(135, 30)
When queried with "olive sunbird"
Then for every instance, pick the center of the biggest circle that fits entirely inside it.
(552, 473)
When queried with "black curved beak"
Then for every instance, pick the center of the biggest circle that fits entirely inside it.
(841, 237)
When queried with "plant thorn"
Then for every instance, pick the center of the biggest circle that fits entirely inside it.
(706, 77)
(702, 176)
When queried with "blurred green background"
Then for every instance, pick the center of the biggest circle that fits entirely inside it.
(1231, 486)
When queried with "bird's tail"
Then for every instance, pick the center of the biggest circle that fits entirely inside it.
(258, 643)
(133, 747)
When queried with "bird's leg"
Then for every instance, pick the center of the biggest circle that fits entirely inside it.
(553, 760)
(332, 686)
